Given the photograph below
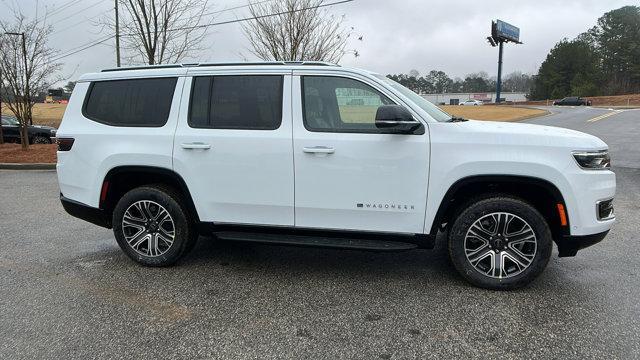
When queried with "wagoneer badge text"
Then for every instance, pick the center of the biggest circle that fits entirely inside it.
(386, 206)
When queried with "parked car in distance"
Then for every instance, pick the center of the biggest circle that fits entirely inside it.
(37, 134)
(572, 101)
(471, 102)
(314, 154)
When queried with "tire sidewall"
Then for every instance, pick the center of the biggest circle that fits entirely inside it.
(178, 214)
(500, 204)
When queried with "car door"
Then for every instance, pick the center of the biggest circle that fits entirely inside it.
(233, 146)
(10, 131)
(349, 175)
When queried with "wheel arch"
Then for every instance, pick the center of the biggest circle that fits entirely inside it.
(121, 179)
(540, 193)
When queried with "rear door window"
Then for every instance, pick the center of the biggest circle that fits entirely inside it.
(132, 103)
(245, 102)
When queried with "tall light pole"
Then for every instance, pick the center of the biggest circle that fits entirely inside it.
(26, 75)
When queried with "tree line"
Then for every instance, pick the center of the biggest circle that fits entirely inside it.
(604, 60)
(437, 82)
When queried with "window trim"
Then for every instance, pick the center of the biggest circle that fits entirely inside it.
(213, 76)
(419, 131)
(90, 90)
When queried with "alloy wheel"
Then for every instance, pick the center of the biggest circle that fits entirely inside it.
(500, 245)
(148, 228)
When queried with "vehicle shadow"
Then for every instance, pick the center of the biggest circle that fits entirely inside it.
(252, 263)
(320, 261)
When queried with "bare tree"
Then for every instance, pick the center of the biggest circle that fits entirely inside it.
(161, 31)
(26, 64)
(296, 30)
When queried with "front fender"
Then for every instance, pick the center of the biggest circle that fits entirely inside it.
(442, 182)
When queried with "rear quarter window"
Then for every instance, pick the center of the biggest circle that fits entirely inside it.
(130, 103)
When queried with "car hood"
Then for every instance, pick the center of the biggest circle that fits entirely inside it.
(530, 134)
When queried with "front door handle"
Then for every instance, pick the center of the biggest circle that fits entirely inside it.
(195, 145)
(319, 150)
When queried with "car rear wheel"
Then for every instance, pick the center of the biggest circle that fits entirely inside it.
(500, 243)
(152, 226)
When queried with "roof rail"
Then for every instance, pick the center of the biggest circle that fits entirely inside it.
(144, 67)
(175, 66)
(257, 63)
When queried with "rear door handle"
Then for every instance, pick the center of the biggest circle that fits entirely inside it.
(319, 150)
(195, 145)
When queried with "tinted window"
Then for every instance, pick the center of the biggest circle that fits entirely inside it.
(334, 104)
(6, 120)
(248, 102)
(138, 102)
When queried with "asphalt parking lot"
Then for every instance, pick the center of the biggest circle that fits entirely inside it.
(67, 291)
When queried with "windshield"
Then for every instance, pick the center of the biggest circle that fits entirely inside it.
(8, 120)
(426, 105)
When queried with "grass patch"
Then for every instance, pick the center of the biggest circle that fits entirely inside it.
(357, 114)
(493, 112)
(44, 114)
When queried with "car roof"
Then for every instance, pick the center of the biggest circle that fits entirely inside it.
(186, 69)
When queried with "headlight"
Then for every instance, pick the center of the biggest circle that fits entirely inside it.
(593, 160)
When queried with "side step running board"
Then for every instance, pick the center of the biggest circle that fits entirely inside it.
(316, 241)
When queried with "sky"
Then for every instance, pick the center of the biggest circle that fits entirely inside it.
(398, 35)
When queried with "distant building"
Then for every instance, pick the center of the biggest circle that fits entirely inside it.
(456, 98)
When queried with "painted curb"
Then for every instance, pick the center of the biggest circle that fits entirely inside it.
(18, 166)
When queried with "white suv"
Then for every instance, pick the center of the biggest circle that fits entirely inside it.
(315, 154)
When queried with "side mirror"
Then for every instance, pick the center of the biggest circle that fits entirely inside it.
(396, 119)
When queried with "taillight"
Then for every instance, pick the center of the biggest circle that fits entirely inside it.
(65, 144)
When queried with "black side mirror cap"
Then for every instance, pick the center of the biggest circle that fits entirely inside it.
(396, 119)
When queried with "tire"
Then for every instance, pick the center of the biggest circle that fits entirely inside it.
(162, 242)
(40, 140)
(475, 240)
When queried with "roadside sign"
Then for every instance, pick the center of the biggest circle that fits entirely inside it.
(507, 31)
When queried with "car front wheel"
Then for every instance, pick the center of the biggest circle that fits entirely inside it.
(500, 243)
(152, 226)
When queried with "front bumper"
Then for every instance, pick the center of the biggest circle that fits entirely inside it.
(569, 245)
(81, 211)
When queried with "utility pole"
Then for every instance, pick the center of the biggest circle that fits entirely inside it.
(117, 35)
(1, 133)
